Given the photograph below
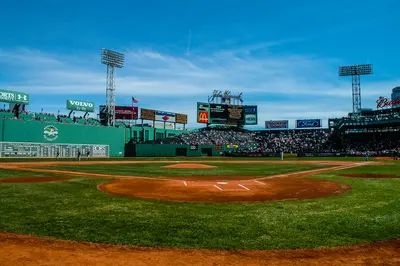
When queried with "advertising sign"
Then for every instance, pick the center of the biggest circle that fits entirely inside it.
(82, 106)
(126, 112)
(14, 97)
(213, 113)
(147, 114)
(203, 117)
(235, 112)
(219, 111)
(165, 116)
(181, 119)
(276, 124)
(383, 102)
(250, 115)
(308, 123)
(203, 110)
(250, 119)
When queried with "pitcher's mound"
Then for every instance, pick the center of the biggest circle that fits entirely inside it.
(33, 179)
(189, 166)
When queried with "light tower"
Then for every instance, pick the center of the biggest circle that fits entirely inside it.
(355, 72)
(113, 60)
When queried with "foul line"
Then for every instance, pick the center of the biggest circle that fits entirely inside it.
(184, 182)
(218, 187)
(246, 188)
(262, 183)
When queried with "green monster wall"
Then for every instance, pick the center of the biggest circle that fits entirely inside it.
(56, 133)
(171, 150)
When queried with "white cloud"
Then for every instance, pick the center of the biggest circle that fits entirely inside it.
(284, 86)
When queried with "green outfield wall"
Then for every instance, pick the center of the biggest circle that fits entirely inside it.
(138, 133)
(170, 150)
(19, 136)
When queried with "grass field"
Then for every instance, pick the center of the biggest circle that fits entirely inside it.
(76, 210)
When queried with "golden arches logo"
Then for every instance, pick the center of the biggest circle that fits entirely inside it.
(203, 117)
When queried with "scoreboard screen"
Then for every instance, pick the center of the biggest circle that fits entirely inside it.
(212, 113)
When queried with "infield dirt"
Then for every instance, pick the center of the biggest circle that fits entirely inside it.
(189, 166)
(21, 250)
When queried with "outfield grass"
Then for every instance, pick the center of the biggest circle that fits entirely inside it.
(5, 173)
(156, 170)
(76, 210)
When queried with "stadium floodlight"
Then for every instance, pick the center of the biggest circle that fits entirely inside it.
(113, 60)
(355, 72)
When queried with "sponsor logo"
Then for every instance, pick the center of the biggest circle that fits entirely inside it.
(250, 110)
(383, 102)
(22, 97)
(165, 118)
(250, 119)
(276, 124)
(7, 96)
(308, 123)
(203, 117)
(203, 107)
(81, 104)
(50, 133)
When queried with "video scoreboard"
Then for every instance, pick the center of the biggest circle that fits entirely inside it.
(214, 113)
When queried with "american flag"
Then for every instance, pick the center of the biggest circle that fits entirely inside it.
(134, 100)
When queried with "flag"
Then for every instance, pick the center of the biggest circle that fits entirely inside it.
(134, 100)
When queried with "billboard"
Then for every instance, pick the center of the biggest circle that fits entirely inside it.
(277, 124)
(155, 115)
(126, 112)
(214, 113)
(121, 112)
(181, 119)
(250, 115)
(203, 110)
(165, 116)
(235, 112)
(218, 113)
(14, 97)
(308, 123)
(82, 106)
(147, 114)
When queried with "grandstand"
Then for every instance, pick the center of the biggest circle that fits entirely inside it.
(374, 131)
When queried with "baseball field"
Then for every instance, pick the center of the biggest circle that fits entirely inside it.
(162, 211)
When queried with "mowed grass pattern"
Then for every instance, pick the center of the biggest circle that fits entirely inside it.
(157, 170)
(76, 210)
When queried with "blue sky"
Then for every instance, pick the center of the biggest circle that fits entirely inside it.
(283, 55)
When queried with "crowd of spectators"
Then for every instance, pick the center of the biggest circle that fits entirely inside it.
(378, 144)
(49, 117)
(289, 141)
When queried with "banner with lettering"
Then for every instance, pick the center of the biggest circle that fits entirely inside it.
(83, 106)
(308, 123)
(279, 124)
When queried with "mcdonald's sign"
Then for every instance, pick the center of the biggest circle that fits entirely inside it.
(203, 117)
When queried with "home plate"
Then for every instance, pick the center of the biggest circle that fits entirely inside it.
(222, 183)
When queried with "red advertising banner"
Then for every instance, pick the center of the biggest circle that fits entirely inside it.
(202, 117)
(126, 112)
(276, 124)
